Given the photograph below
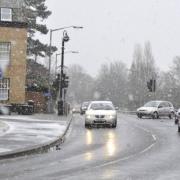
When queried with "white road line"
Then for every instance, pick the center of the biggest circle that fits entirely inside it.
(133, 155)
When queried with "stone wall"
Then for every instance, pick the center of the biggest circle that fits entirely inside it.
(16, 69)
(40, 102)
(11, 3)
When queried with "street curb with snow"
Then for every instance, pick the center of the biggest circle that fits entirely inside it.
(36, 148)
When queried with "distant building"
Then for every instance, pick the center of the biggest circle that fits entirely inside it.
(13, 45)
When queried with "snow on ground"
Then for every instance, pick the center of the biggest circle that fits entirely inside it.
(27, 132)
(40, 132)
(4, 150)
(3, 128)
(31, 118)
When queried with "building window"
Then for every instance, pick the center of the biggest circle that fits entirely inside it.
(4, 55)
(6, 14)
(4, 89)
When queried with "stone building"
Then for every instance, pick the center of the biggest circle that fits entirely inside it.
(13, 44)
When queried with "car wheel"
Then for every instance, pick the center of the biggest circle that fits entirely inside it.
(114, 124)
(155, 115)
(171, 115)
(176, 121)
(139, 116)
(87, 125)
(178, 128)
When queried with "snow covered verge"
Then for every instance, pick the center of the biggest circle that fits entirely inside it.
(3, 128)
(30, 133)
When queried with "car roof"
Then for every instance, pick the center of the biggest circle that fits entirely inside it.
(86, 102)
(155, 101)
(101, 102)
(159, 101)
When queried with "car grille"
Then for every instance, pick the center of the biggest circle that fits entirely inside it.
(99, 116)
(99, 122)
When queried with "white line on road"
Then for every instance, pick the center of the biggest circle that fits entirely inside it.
(133, 155)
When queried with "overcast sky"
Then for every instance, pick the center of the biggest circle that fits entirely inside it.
(113, 27)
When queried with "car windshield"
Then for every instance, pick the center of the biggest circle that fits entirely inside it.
(101, 106)
(152, 104)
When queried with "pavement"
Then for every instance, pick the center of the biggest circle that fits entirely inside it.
(20, 134)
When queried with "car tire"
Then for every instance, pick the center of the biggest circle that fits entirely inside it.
(155, 115)
(139, 116)
(176, 121)
(178, 128)
(171, 115)
(114, 124)
(87, 125)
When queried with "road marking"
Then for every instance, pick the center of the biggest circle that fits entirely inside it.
(154, 137)
(133, 155)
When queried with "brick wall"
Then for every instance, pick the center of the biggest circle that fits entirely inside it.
(40, 101)
(16, 70)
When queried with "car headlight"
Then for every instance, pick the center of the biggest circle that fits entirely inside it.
(111, 116)
(88, 116)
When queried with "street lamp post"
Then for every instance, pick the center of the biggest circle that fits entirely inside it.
(56, 67)
(49, 70)
(61, 102)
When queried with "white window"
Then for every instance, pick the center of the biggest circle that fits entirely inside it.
(4, 55)
(4, 89)
(6, 14)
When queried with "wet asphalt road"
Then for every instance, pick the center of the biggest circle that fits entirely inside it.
(137, 149)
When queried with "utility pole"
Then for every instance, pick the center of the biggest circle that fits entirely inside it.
(61, 101)
(50, 54)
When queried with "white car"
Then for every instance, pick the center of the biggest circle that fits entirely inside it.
(101, 113)
(155, 109)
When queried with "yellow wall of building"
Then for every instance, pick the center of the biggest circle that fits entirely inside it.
(16, 70)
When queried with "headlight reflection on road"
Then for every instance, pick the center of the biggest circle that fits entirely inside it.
(108, 174)
(88, 137)
(111, 146)
(88, 156)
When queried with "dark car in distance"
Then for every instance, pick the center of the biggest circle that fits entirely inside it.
(84, 107)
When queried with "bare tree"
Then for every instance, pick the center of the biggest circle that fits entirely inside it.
(142, 70)
(169, 83)
(80, 85)
(136, 84)
(111, 83)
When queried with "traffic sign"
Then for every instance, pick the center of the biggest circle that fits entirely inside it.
(48, 94)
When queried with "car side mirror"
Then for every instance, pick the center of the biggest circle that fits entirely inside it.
(116, 108)
(160, 106)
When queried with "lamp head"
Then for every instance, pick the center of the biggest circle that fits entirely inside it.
(65, 36)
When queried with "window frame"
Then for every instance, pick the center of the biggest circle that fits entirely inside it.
(8, 51)
(4, 89)
(9, 19)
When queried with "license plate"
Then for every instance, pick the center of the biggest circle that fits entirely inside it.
(99, 121)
